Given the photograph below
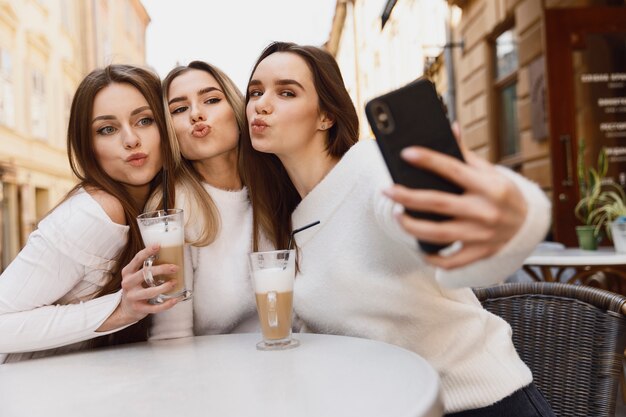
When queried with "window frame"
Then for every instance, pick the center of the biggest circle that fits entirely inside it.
(7, 89)
(498, 85)
(37, 105)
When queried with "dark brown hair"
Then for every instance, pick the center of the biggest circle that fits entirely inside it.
(272, 193)
(82, 157)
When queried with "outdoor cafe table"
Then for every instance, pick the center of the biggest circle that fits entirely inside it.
(225, 376)
(585, 264)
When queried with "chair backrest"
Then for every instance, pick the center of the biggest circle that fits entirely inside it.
(572, 337)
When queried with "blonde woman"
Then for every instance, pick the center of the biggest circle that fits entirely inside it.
(205, 117)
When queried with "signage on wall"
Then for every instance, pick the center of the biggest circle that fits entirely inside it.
(607, 94)
(600, 99)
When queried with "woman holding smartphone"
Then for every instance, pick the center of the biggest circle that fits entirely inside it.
(205, 115)
(360, 272)
(79, 277)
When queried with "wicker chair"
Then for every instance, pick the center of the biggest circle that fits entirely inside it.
(572, 337)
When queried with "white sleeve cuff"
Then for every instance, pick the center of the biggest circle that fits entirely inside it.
(511, 257)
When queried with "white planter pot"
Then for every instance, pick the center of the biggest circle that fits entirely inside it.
(618, 231)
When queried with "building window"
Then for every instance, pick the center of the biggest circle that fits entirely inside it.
(42, 204)
(7, 104)
(38, 105)
(506, 66)
(67, 106)
(67, 16)
(128, 18)
(139, 32)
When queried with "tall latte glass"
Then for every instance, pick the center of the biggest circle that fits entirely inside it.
(166, 228)
(273, 274)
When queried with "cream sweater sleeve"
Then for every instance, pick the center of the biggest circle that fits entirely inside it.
(45, 293)
(511, 257)
(484, 272)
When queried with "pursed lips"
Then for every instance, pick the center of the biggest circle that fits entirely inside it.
(258, 126)
(200, 130)
(137, 159)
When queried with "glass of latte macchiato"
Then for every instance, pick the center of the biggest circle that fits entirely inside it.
(273, 274)
(166, 228)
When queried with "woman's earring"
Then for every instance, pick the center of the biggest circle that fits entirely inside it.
(323, 126)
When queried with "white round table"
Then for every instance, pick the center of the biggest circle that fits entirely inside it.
(553, 264)
(576, 257)
(225, 376)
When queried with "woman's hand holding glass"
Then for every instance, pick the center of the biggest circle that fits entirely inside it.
(135, 296)
(484, 218)
(135, 302)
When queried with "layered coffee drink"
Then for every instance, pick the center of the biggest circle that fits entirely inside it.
(171, 239)
(171, 255)
(167, 230)
(273, 277)
(275, 309)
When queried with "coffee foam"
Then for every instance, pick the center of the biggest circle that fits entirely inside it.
(273, 279)
(156, 233)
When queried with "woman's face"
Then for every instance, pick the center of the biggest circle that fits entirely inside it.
(203, 120)
(283, 111)
(126, 138)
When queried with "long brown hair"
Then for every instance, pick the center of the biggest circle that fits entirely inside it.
(273, 195)
(81, 154)
(187, 176)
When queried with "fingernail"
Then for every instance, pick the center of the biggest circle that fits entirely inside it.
(410, 153)
(389, 192)
(174, 268)
(155, 246)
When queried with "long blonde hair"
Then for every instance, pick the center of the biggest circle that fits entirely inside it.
(188, 180)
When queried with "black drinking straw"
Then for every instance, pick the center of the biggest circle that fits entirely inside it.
(299, 230)
(291, 239)
(165, 194)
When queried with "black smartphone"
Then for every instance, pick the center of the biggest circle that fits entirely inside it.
(414, 115)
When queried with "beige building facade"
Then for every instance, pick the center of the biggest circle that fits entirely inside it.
(376, 58)
(46, 47)
(537, 77)
(525, 79)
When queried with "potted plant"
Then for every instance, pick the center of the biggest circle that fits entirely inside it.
(610, 214)
(591, 190)
(602, 206)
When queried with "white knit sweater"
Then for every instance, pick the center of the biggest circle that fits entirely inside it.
(361, 275)
(223, 298)
(46, 293)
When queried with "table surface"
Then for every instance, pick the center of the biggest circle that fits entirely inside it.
(575, 256)
(225, 376)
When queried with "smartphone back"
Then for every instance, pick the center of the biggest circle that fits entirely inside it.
(413, 115)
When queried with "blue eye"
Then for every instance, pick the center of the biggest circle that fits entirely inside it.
(180, 109)
(255, 93)
(145, 121)
(106, 130)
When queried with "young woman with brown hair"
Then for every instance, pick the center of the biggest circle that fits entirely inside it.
(360, 271)
(79, 277)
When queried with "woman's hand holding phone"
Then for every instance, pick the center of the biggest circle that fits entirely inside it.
(484, 218)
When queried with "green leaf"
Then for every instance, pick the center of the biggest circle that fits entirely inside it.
(603, 163)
